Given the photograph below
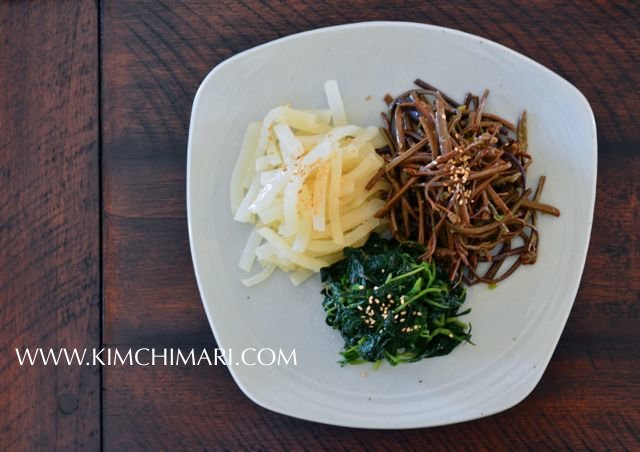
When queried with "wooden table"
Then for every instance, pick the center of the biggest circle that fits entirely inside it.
(95, 100)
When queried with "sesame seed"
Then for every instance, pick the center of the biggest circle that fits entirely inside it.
(403, 313)
(359, 308)
(383, 270)
(419, 314)
(361, 287)
(377, 301)
(395, 317)
(375, 287)
(402, 320)
(388, 296)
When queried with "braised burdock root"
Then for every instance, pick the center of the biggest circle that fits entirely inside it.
(458, 183)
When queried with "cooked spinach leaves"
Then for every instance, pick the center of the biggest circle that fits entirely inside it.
(390, 305)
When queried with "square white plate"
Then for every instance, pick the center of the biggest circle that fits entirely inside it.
(515, 327)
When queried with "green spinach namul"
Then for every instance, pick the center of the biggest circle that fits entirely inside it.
(388, 304)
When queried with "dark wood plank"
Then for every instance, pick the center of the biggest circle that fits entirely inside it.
(133, 287)
(156, 54)
(49, 222)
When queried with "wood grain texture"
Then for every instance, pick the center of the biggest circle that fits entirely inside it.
(49, 222)
(155, 53)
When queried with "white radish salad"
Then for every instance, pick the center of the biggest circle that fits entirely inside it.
(300, 178)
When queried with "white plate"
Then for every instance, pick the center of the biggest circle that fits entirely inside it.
(515, 327)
